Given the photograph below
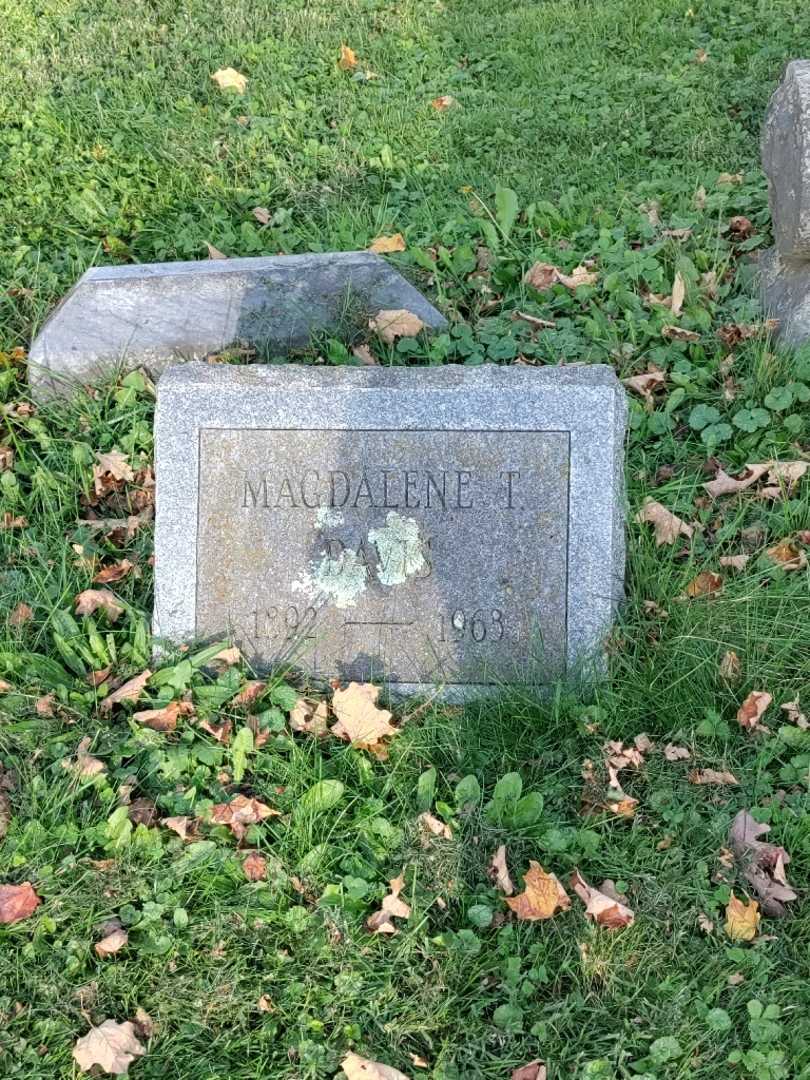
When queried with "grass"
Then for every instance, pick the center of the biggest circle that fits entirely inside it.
(115, 145)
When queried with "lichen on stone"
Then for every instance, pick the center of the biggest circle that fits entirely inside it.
(338, 580)
(399, 548)
(328, 518)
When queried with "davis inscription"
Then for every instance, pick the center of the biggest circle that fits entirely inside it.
(418, 556)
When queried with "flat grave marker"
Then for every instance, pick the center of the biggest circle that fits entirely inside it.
(456, 527)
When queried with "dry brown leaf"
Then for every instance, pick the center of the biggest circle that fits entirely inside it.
(111, 468)
(701, 56)
(91, 600)
(542, 276)
(435, 827)
(392, 908)
(111, 944)
(111, 1046)
(645, 384)
(730, 178)
(787, 555)
(253, 689)
(534, 1070)
(723, 484)
(17, 902)
(6, 458)
(677, 333)
(185, 827)
(712, 776)
(678, 294)
(794, 715)
(753, 709)
(446, 101)
(230, 79)
(761, 864)
(21, 615)
(364, 354)
(393, 323)
(108, 574)
(541, 898)
(667, 526)
(255, 866)
(499, 872)
(164, 719)
(220, 732)
(44, 705)
(359, 720)
(676, 753)
(705, 923)
(348, 58)
(360, 1068)
(730, 666)
(214, 252)
(129, 691)
(240, 812)
(705, 584)
(742, 920)
(83, 765)
(618, 756)
(735, 562)
(652, 608)
(265, 1004)
(310, 716)
(10, 521)
(261, 214)
(604, 910)
(741, 226)
(228, 657)
(385, 245)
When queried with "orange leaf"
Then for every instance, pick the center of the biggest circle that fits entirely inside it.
(704, 584)
(384, 245)
(604, 910)
(753, 709)
(130, 691)
(91, 600)
(17, 902)
(392, 908)
(542, 896)
(255, 866)
(348, 58)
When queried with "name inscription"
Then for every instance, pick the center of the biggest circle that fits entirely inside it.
(414, 556)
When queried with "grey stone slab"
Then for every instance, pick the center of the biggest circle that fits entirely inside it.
(153, 315)
(786, 160)
(453, 527)
(785, 295)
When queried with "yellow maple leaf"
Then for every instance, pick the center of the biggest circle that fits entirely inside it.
(359, 720)
(542, 896)
(384, 245)
(742, 920)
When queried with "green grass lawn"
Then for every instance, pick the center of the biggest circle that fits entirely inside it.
(615, 132)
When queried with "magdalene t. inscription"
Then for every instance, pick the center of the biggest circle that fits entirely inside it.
(415, 556)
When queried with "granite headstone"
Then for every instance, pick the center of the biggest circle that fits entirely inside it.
(453, 527)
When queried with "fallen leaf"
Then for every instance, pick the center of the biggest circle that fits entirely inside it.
(753, 709)
(394, 323)
(91, 600)
(795, 715)
(742, 920)
(230, 79)
(255, 866)
(711, 776)
(735, 562)
(788, 473)
(667, 526)
(111, 468)
(392, 908)
(723, 484)
(645, 384)
(701, 56)
(44, 705)
(17, 902)
(111, 1046)
(360, 1068)
(261, 214)
(535, 1070)
(705, 584)
(741, 226)
(214, 252)
(705, 923)
(364, 354)
(21, 615)
(228, 657)
(542, 276)
(108, 574)
(762, 864)
(499, 872)
(446, 101)
(182, 825)
(359, 720)
(111, 944)
(541, 898)
(735, 979)
(129, 691)
(384, 245)
(676, 753)
(10, 521)
(348, 58)
(677, 333)
(677, 234)
(618, 756)
(144, 1024)
(6, 458)
(730, 666)
(164, 719)
(253, 689)
(220, 732)
(265, 1004)
(83, 765)
(310, 716)
(678, 294)
(432, 825)
(730, 178)
(786, 555)
(604, 910)
(143, 812)
(652, 608)
(240, 812)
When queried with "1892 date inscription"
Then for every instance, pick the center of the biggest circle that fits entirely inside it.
(415, 556)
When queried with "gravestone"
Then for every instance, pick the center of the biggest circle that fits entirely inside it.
(151, 315)
(460, 527)
(785, 268)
